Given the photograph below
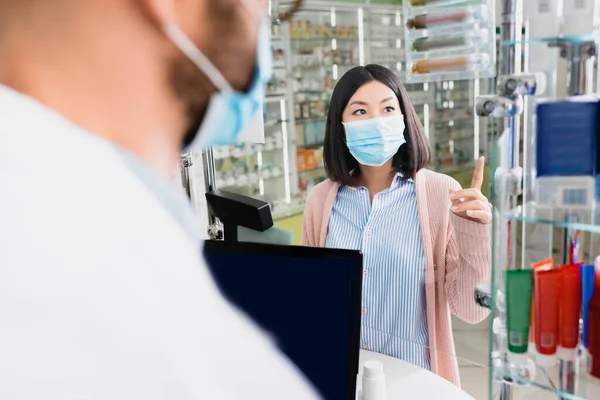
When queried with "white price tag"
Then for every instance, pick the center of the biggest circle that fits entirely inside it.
(544, 6)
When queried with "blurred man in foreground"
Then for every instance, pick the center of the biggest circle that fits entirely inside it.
(103, 294)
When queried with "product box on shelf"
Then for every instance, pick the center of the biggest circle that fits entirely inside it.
(310, 159)
(542, 18)
(449, 40)
(579, 17)
(297, 110)
(320, 132)
(303, 29)
(307, 159)
(300, 160)
(310, 132)
(299, 135)
(317, 108)
(567, 149)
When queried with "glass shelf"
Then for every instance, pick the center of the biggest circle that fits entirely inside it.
(452, 52)
(550, 40)
(467, 27)
(449, 76)
(546, 383)
(310, 119)
(329, 39)
(271, 98)
(250, 180)
(247, 151)
(323, 65)
(554, 217)
(416, 7)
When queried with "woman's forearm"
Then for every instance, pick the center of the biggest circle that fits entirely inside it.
(468, 264)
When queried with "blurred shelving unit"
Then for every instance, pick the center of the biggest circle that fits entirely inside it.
(547, 54)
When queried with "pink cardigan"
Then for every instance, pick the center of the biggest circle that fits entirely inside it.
(457, 258)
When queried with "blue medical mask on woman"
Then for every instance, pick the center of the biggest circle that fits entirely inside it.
(229, 111)
(374, 141)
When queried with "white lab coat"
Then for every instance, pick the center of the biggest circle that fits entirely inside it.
(102, 293)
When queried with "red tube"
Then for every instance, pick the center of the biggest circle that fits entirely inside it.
(546, 298)
(569, 311)
(540, 265)
(594, 329)
(594, 341)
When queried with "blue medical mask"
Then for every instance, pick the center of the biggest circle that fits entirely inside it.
(229, 111)
(374, 141)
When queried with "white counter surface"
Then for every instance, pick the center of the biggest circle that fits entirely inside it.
(407, 381)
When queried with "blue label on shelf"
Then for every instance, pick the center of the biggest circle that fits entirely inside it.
(567, 138)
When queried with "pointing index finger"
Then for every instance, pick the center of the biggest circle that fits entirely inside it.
(477, 181)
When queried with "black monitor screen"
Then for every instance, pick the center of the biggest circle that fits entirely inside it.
(309, 299)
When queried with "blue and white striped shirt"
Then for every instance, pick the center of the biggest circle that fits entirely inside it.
(394, 320)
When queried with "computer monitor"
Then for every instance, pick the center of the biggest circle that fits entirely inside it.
(308, 298)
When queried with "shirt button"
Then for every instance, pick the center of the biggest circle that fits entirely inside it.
(365, 270)
(364, 310)
(368, 232)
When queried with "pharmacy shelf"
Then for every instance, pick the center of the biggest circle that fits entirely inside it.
(557, 217)
(551, 40)
(546, 382)
(449, 40)
(530, 226)
(418, 7)
(246, 152)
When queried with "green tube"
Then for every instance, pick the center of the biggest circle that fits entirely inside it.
(519, 288)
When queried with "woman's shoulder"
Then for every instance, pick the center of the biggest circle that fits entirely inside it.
(435, 181)
(319, 193)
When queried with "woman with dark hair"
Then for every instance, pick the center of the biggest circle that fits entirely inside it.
(425, 240)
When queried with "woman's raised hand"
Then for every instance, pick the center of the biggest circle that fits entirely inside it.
(471, 203)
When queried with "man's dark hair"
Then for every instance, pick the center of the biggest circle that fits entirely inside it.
(340, 165)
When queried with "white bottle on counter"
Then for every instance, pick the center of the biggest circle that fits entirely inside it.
(373, 381)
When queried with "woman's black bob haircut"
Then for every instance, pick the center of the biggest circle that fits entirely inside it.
(340, 165)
